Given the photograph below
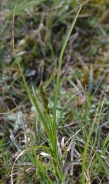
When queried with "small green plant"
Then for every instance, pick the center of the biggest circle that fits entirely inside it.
(60, 133)
(50, 125)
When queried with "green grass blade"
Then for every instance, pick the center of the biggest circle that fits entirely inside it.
(100, 160)
(35, 103)
(86, 146)
(28, 178)
(60, 64)
(58, 74)
(31, 158)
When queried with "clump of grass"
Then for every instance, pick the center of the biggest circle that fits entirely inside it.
(48, 151)
(50, 126)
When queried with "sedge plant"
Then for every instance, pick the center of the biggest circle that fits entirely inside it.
(49, 124)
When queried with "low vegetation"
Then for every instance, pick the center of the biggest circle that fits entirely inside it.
(54, 113)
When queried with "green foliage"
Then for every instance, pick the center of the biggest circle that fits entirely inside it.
(28, 178)
(64, 137)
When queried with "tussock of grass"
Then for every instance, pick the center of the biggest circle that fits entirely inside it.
(57, 132)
